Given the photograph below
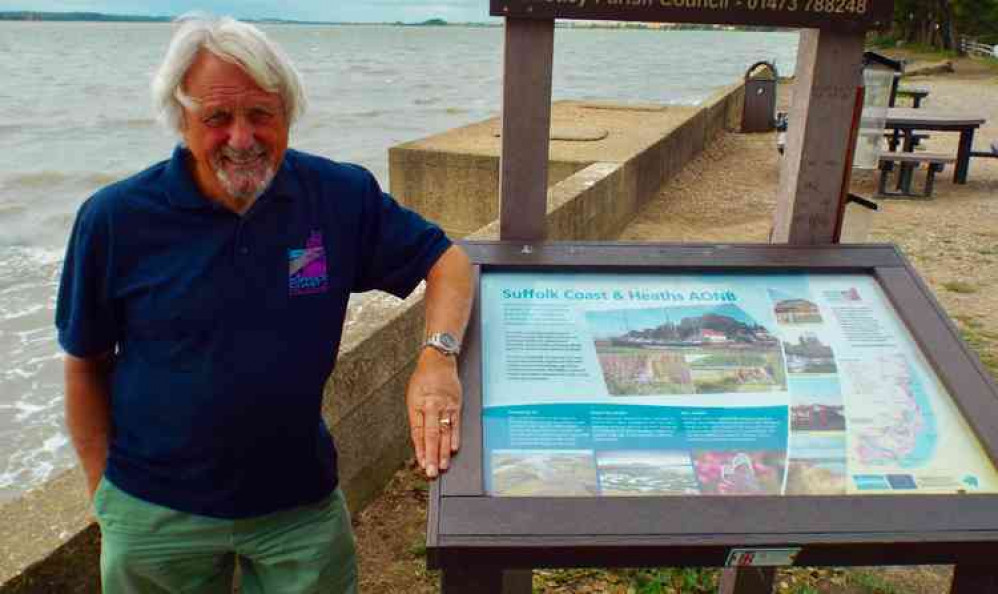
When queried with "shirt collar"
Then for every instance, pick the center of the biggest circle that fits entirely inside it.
(182, 192)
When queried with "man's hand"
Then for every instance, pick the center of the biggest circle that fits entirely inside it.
(434, 394)
(434, 403)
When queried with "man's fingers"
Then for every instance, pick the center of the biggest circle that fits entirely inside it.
(416, 431)
(431, 435)
(455, 434)
(446, 434)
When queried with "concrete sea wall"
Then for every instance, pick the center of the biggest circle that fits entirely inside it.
(607, 161)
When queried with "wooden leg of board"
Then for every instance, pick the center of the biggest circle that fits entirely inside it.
(974, 579)
(485, 580)
(747, 580)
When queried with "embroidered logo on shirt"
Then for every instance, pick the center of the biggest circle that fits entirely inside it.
(307, 274)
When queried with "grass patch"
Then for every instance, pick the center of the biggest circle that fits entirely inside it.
(668, 580)
(984, 343)
(869, 583)
(991, 63)
(960, 287)
(927, 52)
(417, 549)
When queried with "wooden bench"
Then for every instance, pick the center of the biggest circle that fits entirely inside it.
(904, 141)
(935, 162)
(916, 94)
(993, 154)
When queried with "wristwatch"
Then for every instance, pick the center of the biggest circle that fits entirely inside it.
(444, 343)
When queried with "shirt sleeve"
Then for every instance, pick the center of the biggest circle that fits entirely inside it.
(398, 246)
(84, 315)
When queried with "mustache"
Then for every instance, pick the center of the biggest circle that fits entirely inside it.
(254, 152)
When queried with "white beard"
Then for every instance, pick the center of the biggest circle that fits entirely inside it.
(244, 184)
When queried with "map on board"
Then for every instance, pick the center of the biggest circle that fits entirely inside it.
(713, 384)
(898, 425)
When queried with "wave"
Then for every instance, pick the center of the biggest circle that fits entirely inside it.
(141, 122)
(373, 70)
(370, 113)
(27, 468)
(12, 210)
(49, 179)
(22, 256)
(11, 128)
(25, 312)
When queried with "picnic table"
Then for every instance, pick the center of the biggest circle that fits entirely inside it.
(908, 122)
(916, 94)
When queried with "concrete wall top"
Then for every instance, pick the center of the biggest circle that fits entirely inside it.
(623, 131)
(40, 522)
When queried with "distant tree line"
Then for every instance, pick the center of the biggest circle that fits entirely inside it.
(27, 15)
(941, 23)
(24, 15)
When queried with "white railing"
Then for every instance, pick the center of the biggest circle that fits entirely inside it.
(973, 48)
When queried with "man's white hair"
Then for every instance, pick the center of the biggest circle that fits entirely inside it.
(231, 40)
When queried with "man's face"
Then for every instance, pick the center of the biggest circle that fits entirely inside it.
(237, 132)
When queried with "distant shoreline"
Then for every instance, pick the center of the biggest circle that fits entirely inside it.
(32, 16)
(97, 17)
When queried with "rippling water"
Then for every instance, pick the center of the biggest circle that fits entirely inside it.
(74, 116)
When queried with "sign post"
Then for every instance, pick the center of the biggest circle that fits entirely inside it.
(813, 175)
(814, 172)
(755, 406)
(526, 125)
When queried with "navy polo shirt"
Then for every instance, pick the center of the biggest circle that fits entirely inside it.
(226, 327)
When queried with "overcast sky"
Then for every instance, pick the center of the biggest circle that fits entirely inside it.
(318, 10)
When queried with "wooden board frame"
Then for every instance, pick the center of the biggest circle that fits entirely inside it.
(840, 15)
(467, 528)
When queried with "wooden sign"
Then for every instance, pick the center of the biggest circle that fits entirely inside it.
(555, 471)
(843, 15)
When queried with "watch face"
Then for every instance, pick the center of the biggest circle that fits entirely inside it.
(448, 341)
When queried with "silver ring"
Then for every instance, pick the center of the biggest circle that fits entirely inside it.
(445, 421)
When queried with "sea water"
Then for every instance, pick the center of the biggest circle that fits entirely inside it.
(75, 116)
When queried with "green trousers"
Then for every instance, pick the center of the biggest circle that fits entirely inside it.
(149, 549)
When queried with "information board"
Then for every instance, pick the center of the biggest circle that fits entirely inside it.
(819, 14)
(620, 384)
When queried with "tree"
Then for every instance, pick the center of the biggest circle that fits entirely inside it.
(936, 23)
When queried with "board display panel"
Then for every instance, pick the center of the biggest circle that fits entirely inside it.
(666, 384)
(664, 404)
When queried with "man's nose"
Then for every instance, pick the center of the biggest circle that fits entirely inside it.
(241, 134)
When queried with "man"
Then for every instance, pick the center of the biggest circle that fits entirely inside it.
(201, 308)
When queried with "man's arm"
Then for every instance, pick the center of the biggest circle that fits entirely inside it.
(434, 390)
(88, 412)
